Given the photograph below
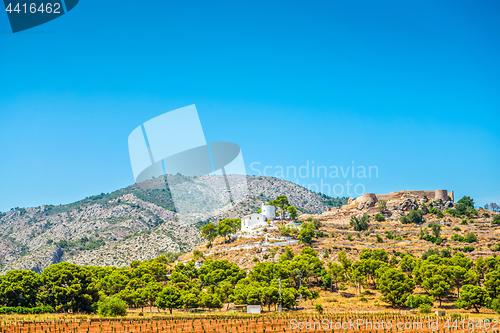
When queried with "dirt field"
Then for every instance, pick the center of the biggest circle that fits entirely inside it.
(345, 323)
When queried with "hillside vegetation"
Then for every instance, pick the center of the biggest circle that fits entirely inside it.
(133, 223)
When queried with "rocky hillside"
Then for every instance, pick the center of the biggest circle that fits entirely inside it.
(134, 223)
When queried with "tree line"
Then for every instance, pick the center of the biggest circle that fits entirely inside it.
(67, 287)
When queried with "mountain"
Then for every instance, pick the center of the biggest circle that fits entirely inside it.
(133, 223)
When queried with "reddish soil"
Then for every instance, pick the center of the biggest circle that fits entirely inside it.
(248, 324)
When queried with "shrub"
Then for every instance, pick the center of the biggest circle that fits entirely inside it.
(471, 237)
(342, 287)
(360, 224)
(23, 310)
(381, 205)
(319, 308)
(367, 233)
(495, 247)
(445, 253)
(496, 219)
(349, 238)
(112, 307)
(265, 256)
(404, 219)
(458, 238)
(415, 216)
(415, 301)
(433, 239)
(439, 214)
(320, 234)
(379, 217)
(330, 299)
(436, 229)
(255, 259)
(424, 308)
(464, 222)
(468, 249)
(379, 239)
(363, 299)
(429, 253)
(457, 229)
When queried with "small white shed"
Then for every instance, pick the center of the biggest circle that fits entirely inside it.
(253, 309)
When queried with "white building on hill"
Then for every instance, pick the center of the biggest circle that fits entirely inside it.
(256, 220)
(269, 211)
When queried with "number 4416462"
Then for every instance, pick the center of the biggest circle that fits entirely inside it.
(486, 324)
(33, 8)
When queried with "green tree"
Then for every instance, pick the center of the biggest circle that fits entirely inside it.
(269, 296)
(459, 259)
(210, 301)
(190, 299)
(287, 256)
(337, 274)
(227, 227)
(306, 233)
(292, 212)
(169, 298)
(462, 276)
(225, 291)
(151, 291)
(209, 232)
(305, 293)
(437, 286)
(381, 255)
(344, 260)
(357, 275)
(281, 202)
(288, 297)
(214, 272)
(467, 201)
(69, 287)
(395, 286)
(114, 281)
(408, 264)
(472, 297)
(492, 284)
(128, 295)
(19, 288)
(197, 254)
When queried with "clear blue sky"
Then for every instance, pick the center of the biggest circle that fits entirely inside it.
(410, 87)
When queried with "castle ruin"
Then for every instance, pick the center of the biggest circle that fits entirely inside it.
(431, 195)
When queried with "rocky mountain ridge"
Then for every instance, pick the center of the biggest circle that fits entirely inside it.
(133, 223)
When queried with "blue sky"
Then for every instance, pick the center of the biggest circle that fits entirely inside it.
(409, 87)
